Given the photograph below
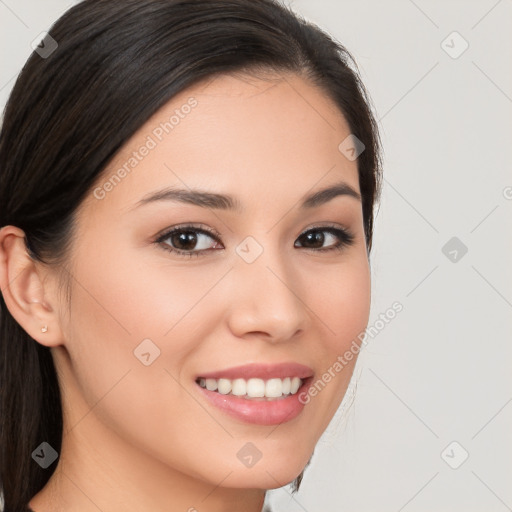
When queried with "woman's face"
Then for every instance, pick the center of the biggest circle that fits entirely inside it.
(251, 288)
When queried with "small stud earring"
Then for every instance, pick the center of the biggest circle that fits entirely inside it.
(44, 328)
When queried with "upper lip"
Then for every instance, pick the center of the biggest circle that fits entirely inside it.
(261, 371)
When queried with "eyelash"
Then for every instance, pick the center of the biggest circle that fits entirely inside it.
(345, 236)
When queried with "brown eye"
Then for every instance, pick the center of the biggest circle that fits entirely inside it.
(316, 238)
(187, 241)
(193, 241)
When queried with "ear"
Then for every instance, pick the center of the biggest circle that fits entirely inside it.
(21, 283)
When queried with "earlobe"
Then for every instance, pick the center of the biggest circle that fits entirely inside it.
(23, 289)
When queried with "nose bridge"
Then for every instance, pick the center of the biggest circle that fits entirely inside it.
(267, 298)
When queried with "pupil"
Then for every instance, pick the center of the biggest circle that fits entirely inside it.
(185, 240)
(316, 237)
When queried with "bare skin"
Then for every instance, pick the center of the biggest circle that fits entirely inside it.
(140, 437)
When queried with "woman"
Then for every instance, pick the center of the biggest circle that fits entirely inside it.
(186, 200)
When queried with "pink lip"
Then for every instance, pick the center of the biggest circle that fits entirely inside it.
(260, 411)
(261, 371)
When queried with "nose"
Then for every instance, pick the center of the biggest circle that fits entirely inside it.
(267, 299)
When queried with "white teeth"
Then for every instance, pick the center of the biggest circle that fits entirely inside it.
(286, 386)
(224, 386)
(239, 387)
(295, 385)
(274, 388)
(256, 388)
(211, 384)
(253, 388)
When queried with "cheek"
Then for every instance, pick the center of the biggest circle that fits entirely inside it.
(118, 304)
(128, 297)
(115, 309)
(341, 299)
(340, 296)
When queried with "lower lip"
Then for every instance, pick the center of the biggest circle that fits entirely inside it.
(262, 411)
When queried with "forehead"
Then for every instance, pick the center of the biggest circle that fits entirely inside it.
(260, 139)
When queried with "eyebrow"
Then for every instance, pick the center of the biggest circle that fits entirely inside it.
(225, 202)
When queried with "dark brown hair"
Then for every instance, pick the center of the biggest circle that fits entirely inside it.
(68, 114)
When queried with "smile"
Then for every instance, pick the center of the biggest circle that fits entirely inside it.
(253, 388)
(258, 394)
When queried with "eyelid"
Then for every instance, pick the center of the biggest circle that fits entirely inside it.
(325, 225)
(162, 235)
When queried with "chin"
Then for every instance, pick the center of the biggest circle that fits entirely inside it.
(264, 478)
(271, 471)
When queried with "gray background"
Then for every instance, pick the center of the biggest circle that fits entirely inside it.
(437, 373)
